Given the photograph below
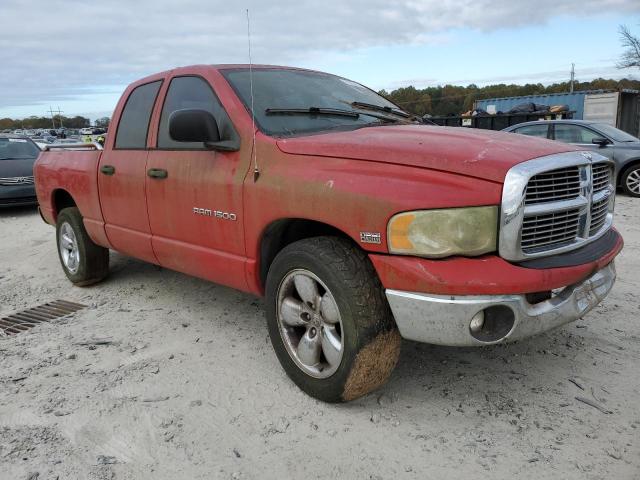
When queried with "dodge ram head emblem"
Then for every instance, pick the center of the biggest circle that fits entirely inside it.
(587, 155)
(207, 212)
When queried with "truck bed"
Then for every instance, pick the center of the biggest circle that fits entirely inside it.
(71, 170)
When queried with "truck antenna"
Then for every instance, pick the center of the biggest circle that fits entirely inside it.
(256, 170)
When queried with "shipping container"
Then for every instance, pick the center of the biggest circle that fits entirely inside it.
(619, 109)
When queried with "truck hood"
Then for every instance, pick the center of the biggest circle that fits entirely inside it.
(476, 153)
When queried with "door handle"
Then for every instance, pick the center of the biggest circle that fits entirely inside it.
(108, 169)
(157, 173)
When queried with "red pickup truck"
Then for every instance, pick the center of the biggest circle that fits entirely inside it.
(358, 223)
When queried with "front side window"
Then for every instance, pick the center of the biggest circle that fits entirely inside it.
(192, 93)
(134, 121)
(574, 133)
(534, 130)
(615, 133)
(282, 99)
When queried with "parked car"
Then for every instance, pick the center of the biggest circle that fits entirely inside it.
(613, 143)
(17, 156)
(358, 223)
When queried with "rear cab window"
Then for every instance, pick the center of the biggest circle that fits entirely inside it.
(133, 126)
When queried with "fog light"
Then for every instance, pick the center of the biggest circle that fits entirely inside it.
(477, 322)
(492, 324)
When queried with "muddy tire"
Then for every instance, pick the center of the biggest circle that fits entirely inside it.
(329, 321)
(83, 261)
(630, 181)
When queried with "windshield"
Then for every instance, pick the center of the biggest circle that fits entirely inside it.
(18, 149)
(281, 89)
(615, 133)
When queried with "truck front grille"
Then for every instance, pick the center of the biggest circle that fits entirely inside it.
(552, 186)
(602, 173)
(550, 229)
(555, 204)
(10, 181)
(599, 212)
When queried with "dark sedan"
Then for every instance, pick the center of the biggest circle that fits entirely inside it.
(619, 146)
(17, 155)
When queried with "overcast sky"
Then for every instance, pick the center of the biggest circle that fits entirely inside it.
(79, 55)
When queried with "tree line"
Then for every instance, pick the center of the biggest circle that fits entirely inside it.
(436, 101)
(455, 100)
(35, 122)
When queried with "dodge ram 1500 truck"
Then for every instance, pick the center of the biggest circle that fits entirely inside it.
(359, 224)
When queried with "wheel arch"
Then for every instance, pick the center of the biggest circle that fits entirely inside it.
(282, 232)
(61, 199)
(629, 164)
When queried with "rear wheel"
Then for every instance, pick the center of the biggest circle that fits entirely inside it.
(83, 261)
(329, 321)
(631, 181)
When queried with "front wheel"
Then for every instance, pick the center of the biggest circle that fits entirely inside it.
(83, 261)
(631, 181)
(329, 321)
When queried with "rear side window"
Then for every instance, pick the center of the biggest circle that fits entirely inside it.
(192, 93)
(134, 121)
(534, 130)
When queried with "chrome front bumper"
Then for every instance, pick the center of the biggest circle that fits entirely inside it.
(445, 320)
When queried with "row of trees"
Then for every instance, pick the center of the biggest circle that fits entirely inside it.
(35, 122)
(454, 100)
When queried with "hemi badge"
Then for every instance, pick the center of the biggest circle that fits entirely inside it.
(370, 237)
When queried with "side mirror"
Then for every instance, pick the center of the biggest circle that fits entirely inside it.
(601, 141)
(192, 125)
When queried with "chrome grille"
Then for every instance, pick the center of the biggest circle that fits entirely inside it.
(9, 181)
(599, 212)
(555, 204)
(550, 229)
(601, 176)
(560, 184)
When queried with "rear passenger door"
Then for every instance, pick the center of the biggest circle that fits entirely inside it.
(195, 194)
(122, 174)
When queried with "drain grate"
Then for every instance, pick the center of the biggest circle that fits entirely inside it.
(22, 321)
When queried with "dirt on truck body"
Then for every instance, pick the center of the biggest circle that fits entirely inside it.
(358, 223)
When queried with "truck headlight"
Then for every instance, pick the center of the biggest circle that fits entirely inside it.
(440, 233)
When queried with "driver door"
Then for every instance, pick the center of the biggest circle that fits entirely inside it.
(194, 194)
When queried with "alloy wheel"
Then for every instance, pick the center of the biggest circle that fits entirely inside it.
(310, 324)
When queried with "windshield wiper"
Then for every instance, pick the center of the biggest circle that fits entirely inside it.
(380, 108)
(312, 111)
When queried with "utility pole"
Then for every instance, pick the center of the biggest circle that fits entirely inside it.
(60, 115)
(573, 75)
(52, 120)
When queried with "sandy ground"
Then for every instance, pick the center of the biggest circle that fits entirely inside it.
(189, 388)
